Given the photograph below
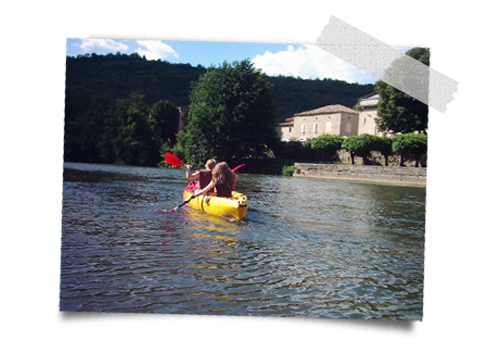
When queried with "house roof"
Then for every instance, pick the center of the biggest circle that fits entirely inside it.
(369, 101)
(329, 109)
(368, 95)
(287, 122)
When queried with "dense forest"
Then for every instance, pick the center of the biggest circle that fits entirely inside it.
(119, 75)
(122, 109)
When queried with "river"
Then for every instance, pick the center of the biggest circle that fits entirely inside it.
(307, 247)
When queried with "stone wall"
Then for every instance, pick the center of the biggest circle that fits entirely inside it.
(378, 159)
(392, 174)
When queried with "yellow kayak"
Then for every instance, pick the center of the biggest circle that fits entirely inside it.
(220, 206)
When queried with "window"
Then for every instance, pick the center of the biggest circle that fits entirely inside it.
(328, 127)
(303, 129)
(348, 127)
(315, 128)
(290, 128)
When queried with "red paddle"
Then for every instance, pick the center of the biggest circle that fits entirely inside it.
(173, 160)
(237, 167)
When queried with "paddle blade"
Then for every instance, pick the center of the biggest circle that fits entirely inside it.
(237, 167)
(173, 160)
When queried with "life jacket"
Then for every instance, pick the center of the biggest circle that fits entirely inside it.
(223, 190)
(205, 178)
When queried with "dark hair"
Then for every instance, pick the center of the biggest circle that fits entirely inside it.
(223, 175)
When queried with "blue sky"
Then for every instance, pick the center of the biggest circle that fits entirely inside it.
(305, 61)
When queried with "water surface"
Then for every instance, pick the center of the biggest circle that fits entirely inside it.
(308, 247)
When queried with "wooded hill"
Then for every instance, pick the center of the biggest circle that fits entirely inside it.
(120, 75)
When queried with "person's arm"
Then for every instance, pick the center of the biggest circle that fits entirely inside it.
(189, 174)
(209, 187)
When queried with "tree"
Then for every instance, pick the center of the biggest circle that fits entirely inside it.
(88, 121)
(399, 112)
(76, 105)
(328, 145)
(135, 144)
(384, 146)
(410, 144)
(163, 120)
(97, 132)
(230, 114)
(360, 145)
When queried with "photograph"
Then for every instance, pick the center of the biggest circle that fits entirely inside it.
(242, 179)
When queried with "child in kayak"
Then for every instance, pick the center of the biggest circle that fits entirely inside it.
(205, 176)
(223, 180)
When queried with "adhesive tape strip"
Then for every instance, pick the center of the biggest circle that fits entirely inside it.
(387, 64)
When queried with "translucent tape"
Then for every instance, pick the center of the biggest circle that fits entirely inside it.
(387, 64)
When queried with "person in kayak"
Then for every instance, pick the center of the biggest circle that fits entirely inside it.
(204, 176)
(223, 181)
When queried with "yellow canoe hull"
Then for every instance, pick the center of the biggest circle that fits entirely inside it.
(220, 206)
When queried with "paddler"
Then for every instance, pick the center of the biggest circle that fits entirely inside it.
(204, 176)
(223, 181)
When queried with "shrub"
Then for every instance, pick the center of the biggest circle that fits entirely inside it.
(178, 149)
(328, 145)
(288, 170)
(360, 145)
(164, 148)
(384, 146)
(295, 150)
(410, 144)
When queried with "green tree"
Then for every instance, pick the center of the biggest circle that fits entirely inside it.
(287, 170)
(399, 112)
(135, 144)
(410, 145)
(360, 145)
(76, 105)
(328, 145)
(180, 148)
(164, 117)
(88, 122)
(230, 114)
(384, 146)
(97, 130)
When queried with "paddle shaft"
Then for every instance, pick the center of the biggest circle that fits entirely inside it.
(182, 204)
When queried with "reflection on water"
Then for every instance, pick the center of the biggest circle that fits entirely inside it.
(307, 247)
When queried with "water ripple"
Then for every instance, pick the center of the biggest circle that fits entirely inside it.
(308, 247)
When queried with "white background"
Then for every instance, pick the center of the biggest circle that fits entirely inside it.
(31, 144)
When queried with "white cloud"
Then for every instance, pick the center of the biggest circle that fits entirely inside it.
(309, 62)
(155, 50)
(91, 44)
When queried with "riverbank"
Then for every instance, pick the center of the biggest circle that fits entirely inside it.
(382, 174)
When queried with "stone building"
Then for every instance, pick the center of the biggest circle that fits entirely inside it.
(368, 113)
(182, 117)
(285, 129)
(326, 120)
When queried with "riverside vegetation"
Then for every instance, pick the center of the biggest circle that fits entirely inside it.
(120, 110)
